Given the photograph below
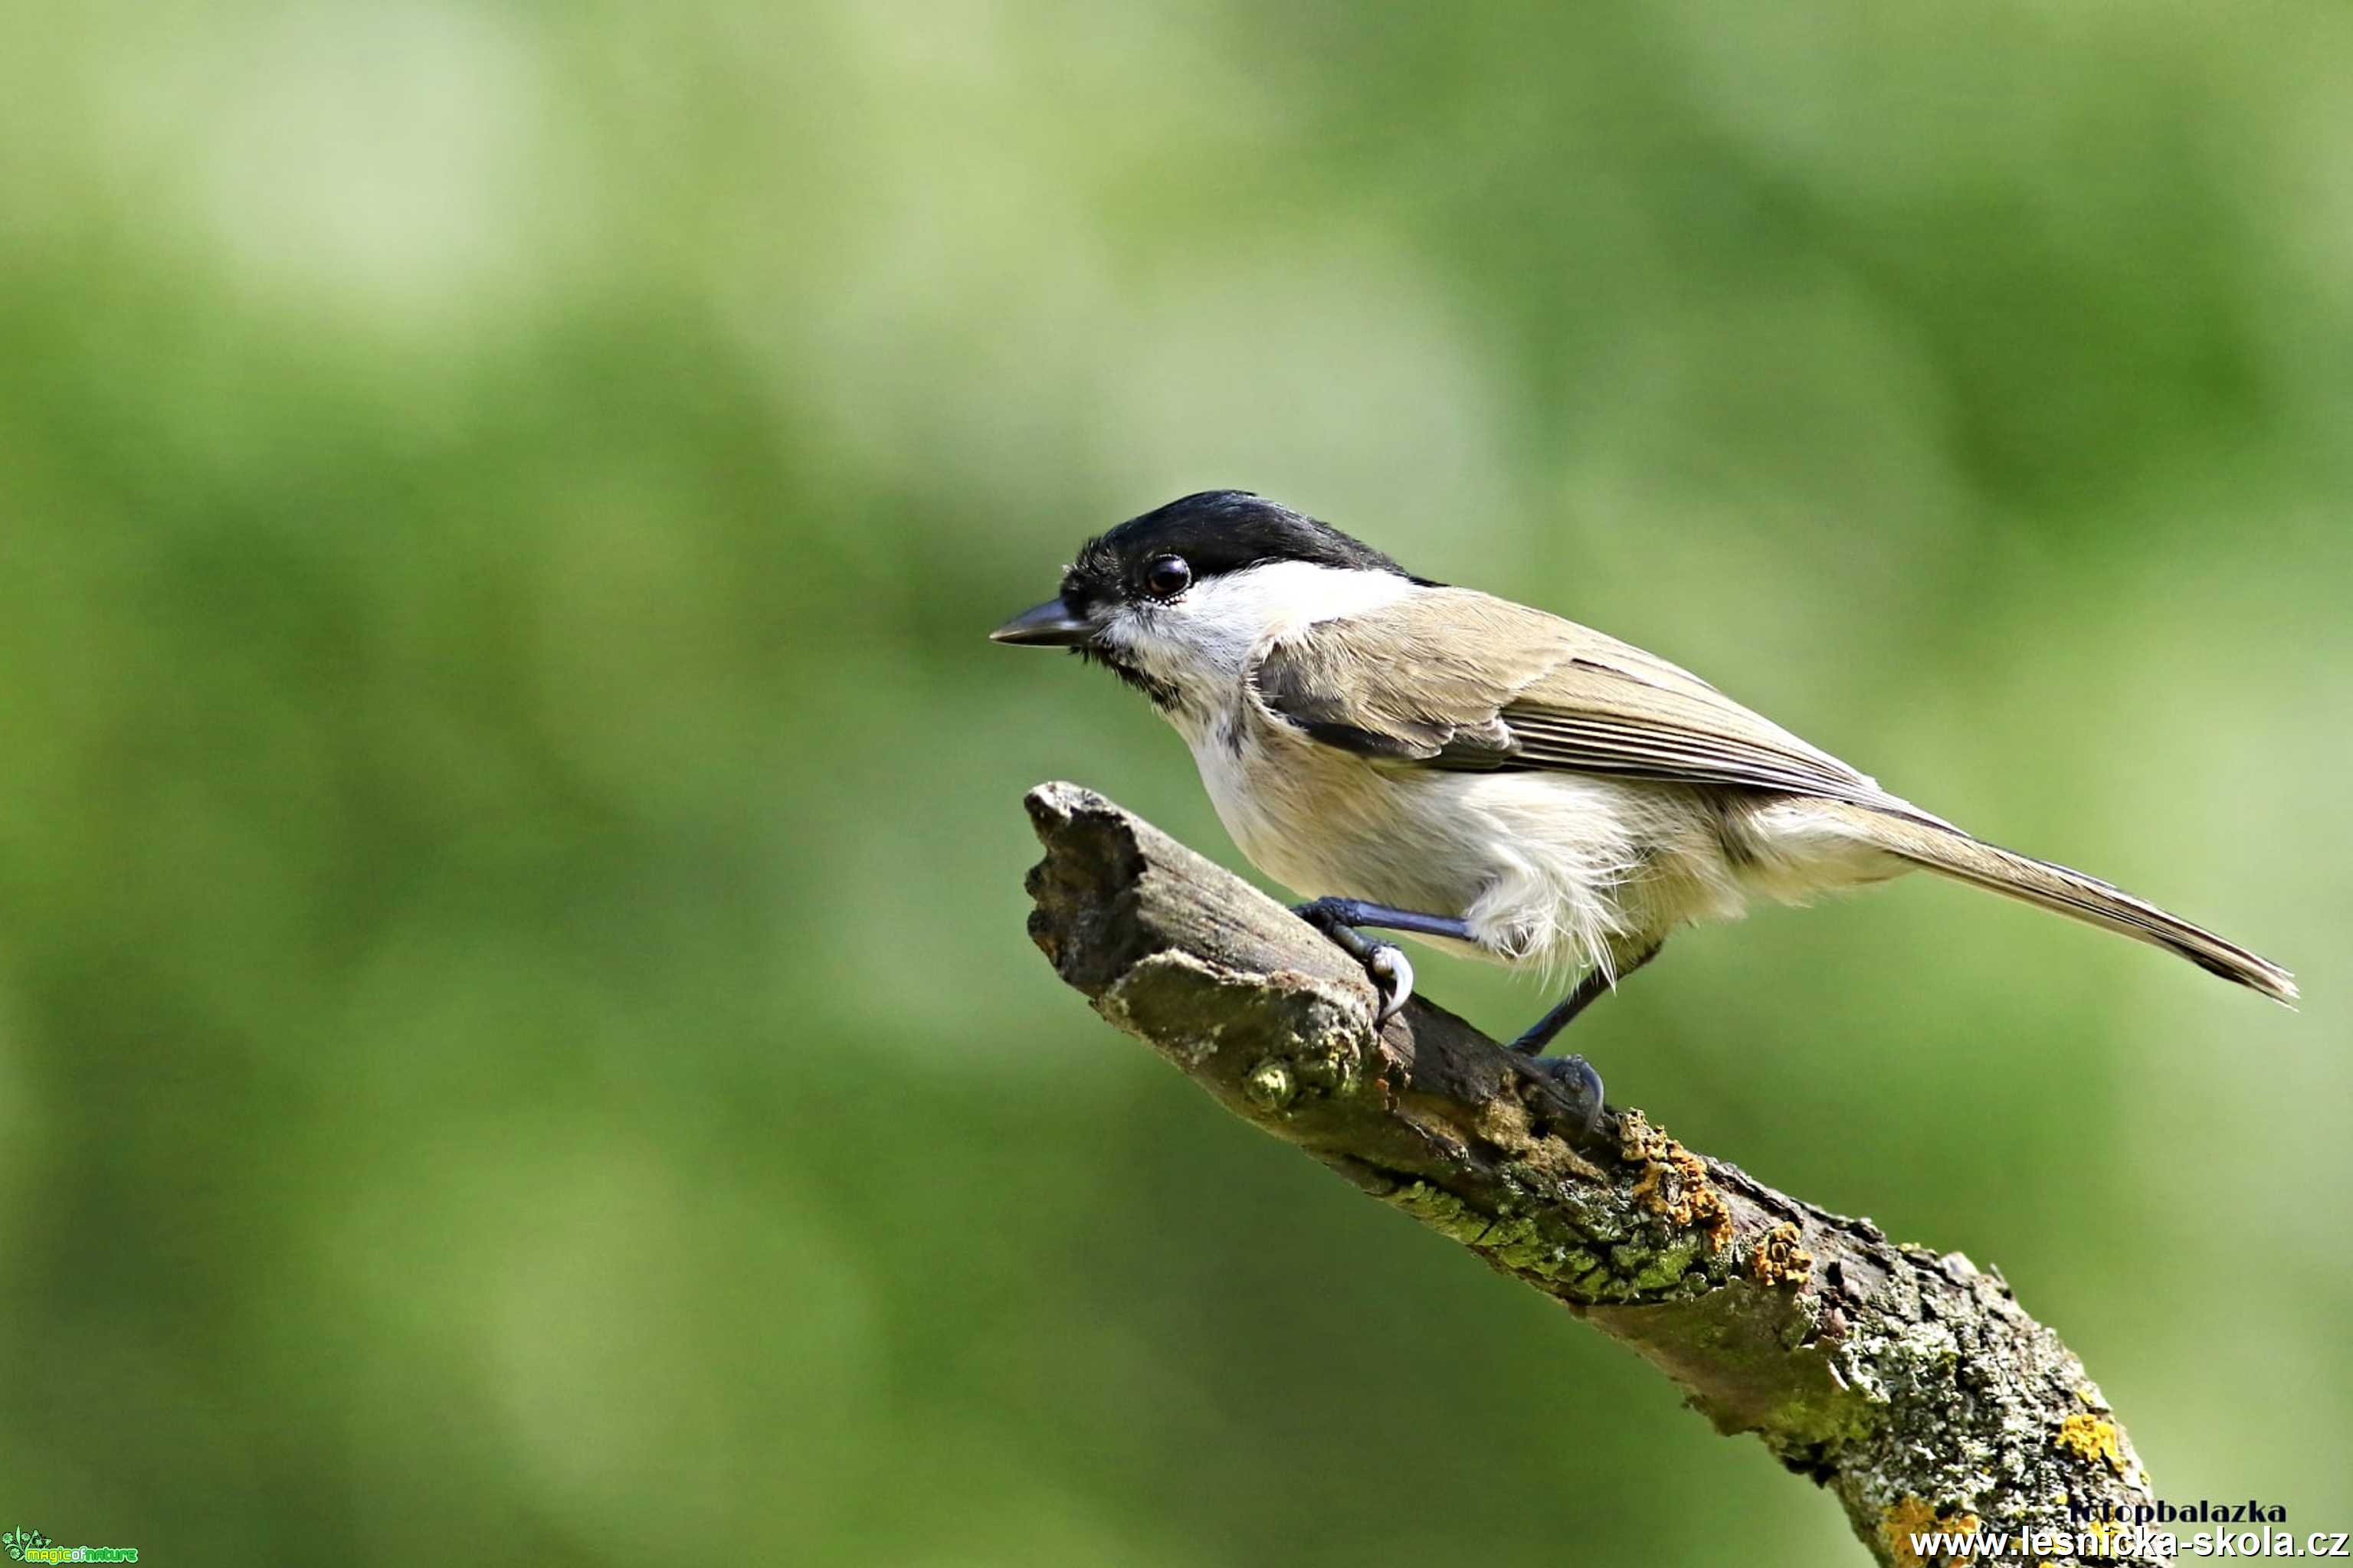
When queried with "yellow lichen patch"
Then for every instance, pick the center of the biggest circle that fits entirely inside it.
(1911, 1517)
(1779, 1259)
(2091, 1440)
(1673, 1183)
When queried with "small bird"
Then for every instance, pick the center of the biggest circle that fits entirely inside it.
(1492, 779)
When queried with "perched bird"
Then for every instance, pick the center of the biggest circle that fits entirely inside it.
(1493, 779)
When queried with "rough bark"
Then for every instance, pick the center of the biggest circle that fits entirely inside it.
(1908, 1381)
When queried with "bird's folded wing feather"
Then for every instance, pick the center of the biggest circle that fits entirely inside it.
(1455, 679)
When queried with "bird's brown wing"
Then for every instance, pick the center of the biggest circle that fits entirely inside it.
(1452, 679)
(1455, 679)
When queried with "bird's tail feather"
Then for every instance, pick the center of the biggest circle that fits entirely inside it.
(1952, 853)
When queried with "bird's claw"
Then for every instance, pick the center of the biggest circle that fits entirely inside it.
(1391, 973)
(1385, 964)
(1575, 1078)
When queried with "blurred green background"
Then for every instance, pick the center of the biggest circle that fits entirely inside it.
(516, 1033)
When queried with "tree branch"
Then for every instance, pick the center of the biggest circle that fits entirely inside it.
(1909, 1382)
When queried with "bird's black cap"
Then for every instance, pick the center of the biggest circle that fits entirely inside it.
(1215, 532)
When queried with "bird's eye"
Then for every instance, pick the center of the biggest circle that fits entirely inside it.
(1167, 577)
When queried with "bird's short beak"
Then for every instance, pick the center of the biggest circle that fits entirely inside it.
(1050, 624)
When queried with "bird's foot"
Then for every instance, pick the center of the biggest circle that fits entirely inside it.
(1385, 964)
(1573, 1077)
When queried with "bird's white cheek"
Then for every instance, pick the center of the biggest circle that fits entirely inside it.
(1170, 645)
(1135, 639)
(1202, 641)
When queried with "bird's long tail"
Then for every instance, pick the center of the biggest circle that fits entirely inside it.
(1952, 853)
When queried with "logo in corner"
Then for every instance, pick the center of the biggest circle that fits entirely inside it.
(31, 1546)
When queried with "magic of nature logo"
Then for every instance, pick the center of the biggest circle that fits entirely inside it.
(25, 1545)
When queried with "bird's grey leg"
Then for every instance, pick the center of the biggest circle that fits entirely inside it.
(1540, 1034)
(1573, 1072)
(1384, 963)
(1325, 914)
